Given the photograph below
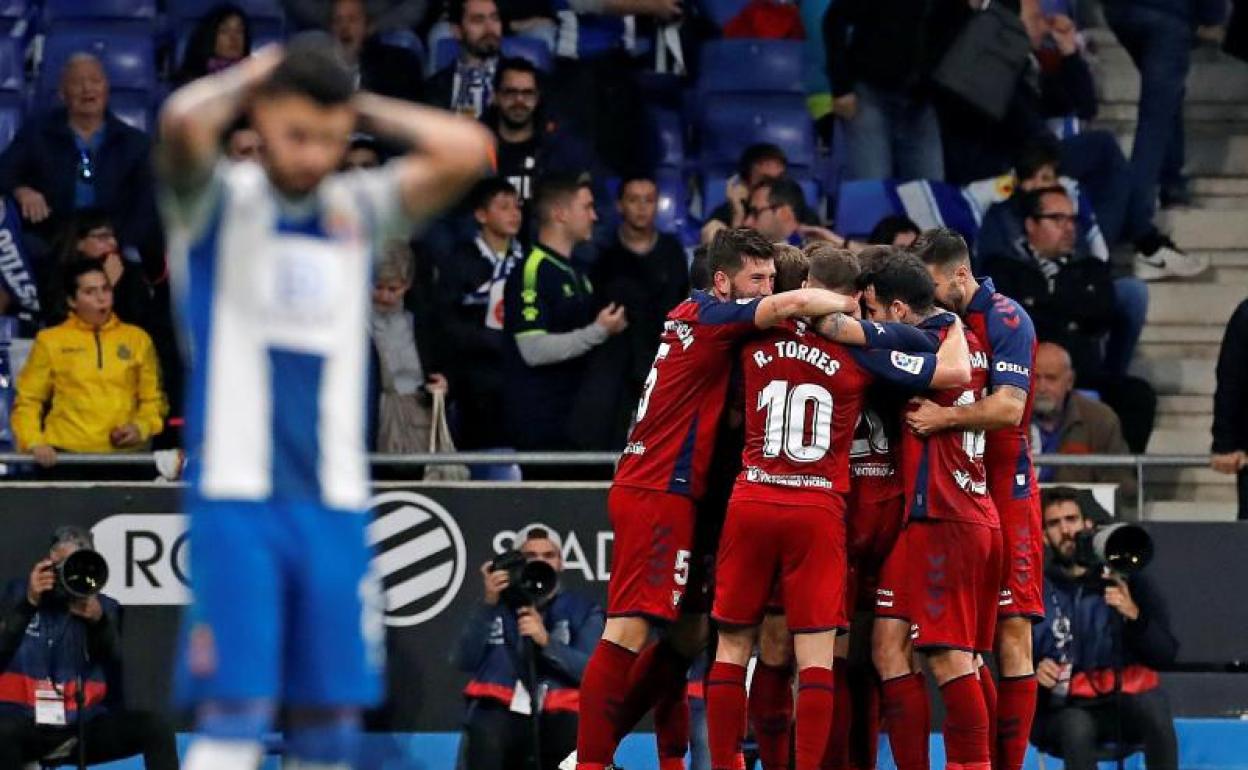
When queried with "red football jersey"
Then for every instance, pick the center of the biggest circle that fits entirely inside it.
(803, 396)
(944, 473)
(670, 446)
(873, 472)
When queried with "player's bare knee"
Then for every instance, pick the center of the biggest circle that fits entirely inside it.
(947, 665)
(890, 648)
(630, 633)
(774, 641)
(814, 649)
(1014, 655)
(735, 645)
(840, 648)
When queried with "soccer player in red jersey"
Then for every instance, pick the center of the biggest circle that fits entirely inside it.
(1005, 413)
(660, 476)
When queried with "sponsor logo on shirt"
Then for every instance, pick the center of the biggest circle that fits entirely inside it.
(967, 484)
(1007, 366)
(635, 448)
(906, 362)
(979, 360)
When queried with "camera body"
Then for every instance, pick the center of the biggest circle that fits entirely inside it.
(529, 582)
(1123, 547)
(80, 575)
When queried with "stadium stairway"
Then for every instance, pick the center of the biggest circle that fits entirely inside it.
(1186, 318)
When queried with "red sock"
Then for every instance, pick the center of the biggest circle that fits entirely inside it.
(907, 716)
(671, 726)
(1016, 708)
(815, 696)
(966, 724)
(989, 688)
(836, 757)
(864, 722)
(659, 673)
(771, 713)
(725, 713)
(602, 689)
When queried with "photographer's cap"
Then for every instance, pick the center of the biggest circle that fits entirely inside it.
(68, 533)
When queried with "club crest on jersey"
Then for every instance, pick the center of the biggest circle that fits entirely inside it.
(906, 362)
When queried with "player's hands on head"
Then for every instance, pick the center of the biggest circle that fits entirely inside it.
(495, 581)
(1118, 596)
(613, 318)
(530, 624)
(124, 436)
(1048, 671)
(44, 455)
(926, 417)
(42, 579)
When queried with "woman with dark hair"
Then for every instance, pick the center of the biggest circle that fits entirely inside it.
(90, 235)
(219, 40)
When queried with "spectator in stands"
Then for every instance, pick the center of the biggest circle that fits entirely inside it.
(758, 162)
(1230, 405)
(1100, 629)
(242, 142)
(1158, 35)
(83, 156)
(219, 40)
(879, 64)
(467, 85)
(894, 230)
(1065, 421)
(469, 302)
(52, 643)
(774, 209)
(550, 321)
(379, 68)
(529, 145)
(407, 360)
(364, 152)
(91, 384)
(1071, 300)
(90, 236)
(386, 15)
(560, 630)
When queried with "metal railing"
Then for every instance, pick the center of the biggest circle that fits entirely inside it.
(1136, 462)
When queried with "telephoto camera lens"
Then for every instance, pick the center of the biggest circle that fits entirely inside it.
(82, 574)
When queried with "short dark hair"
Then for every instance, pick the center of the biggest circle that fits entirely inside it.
(870, 259)
(941, 247)
(634, 177)
(792, 267)
(515, 64)
(832, 267)
(455, 10)
(699, 267)
(757, 153)
(312, 67)
(75, 270)
(730, 248)
(784, 191)
(891, 226)
(1035, 155)
(1033, 200)
(485, 191)
(554, 190)
(902, 276)
(1058, 495)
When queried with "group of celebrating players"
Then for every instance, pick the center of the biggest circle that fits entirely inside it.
(883, 483)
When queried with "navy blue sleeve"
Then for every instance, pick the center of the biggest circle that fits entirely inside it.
(1012, 339)
(571, 658)
(912, 372)
(899, 336)
(473, 645)
(714, 312)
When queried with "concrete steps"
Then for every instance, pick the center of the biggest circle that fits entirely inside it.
(1176, 376)
(1193, 303)
(1189, 510)
(1204, 230)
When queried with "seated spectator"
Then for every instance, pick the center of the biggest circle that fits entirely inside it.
(879, 65)
(758, 162)
(774, 209)
(386, 15)
(1071, 300)
(1100, 628)
(83, 156)
(242, 142)
(406, 359)
(469, 305)
(560, 630)
(90, 236)
(91, 384)
(467, 85)
(1064, 421)
(550, 320)
(529, 145)
(379, 68)
(364, 152)
(1230, 405)
(894, 230)
(52, 643)
(219, 40)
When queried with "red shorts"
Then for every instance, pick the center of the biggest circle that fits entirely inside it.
(892, 580)
(651, 554)
(950, 594)
(1022, 566)
(872, 528)
(800, 547)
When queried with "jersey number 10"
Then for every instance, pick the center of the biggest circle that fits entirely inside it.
(788, 412)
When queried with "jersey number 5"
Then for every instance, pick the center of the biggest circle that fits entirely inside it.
(788, 412)
(651, 379)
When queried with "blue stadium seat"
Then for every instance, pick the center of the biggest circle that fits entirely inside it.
(521, 47)
(128, 59)
(10, 121)
(444, 52)
(744, 66)
(405, 38)
(731, 122)
(133, 109)
(721, 11)
(56, 12)
(13, 11)
(673, 201)
(670, 131)
(12, 76)
(860, 205)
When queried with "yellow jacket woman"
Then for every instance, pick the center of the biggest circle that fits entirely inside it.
(91, 384)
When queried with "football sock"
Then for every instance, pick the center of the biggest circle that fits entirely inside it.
(864, 723)
(814, 716)
(725, 713)
(771, 713)
(659, 672)
(602, 688)
(671, 726)
(836, 757)
(1016, 708)
(966, 723)
(907, 716)
(989, 688)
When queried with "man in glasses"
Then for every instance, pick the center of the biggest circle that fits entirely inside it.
(775, 208)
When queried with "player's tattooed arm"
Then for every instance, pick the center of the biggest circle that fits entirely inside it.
(801, 302)
(197, 114)
(842, 328)
(449, 152)
(1003, 408)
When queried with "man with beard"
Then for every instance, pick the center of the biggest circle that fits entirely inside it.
(467, 85)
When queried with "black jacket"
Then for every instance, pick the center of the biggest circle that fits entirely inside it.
(390, 71)
(43, 156)
(1230, 400)
(883, 43)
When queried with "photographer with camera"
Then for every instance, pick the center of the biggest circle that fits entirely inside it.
(525, 646)
(1106, 631)
(60, 667)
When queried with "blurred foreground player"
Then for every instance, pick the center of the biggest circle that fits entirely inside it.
(272, 263)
